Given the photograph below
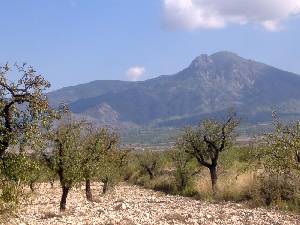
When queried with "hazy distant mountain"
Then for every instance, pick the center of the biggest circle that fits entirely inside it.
(208, 86)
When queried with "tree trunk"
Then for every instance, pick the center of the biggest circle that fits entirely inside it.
(52, 183)
(183, 182)
(150, 173)
(88, 191)
(64, 196)
(105, 186)
(214, 178)
(8, 125)
(4, 145)
(31, 185)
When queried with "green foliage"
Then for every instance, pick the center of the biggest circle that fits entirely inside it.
(207, 141)
(67, 149)
(10, 195)
(186, 167)
(24, 108)
(238, 160)
(163, 183)
(280, 155)
(99, 143)
(17, 170)
(101, 158)
(109, 172)
(131, 169)
(278, 180)
(276, 190)
(149, 162)
(25, 116)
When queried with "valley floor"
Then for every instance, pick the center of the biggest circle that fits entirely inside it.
(134, 205)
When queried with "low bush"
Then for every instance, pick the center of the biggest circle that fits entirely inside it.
(281, 191)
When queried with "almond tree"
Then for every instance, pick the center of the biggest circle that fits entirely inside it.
(110, 168)
(279, 162)
(99, 145)
(24, 107)
(21, 168)
(67, 148)
(149, 162)
(207, 141)
(25, 116)
(281, 155)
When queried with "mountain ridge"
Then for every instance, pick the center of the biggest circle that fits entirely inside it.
(208, 86)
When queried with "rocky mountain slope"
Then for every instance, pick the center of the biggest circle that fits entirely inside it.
(207, 87)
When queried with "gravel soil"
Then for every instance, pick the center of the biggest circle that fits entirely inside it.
(134, 205)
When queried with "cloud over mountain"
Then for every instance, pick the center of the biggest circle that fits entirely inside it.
(197, 14)
(135, 73)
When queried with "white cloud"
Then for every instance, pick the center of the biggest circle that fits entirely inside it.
(135, 73)
(195, 14)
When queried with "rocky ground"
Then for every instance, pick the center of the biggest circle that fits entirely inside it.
(134, 205)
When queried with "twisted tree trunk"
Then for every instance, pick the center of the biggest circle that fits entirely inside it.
(214, 178)
(105, 186)
(64, 196)
(88, 191)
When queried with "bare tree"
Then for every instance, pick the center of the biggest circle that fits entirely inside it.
(207, 141)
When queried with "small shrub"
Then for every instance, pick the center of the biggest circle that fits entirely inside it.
(10, 196)
(275, 190)
(164, 184)
(236, 188)
(190, 190)
(142, 180)
(185, 169)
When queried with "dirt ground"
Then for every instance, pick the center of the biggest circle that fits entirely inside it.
(134, 205)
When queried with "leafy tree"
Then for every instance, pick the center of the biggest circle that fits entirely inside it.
(25, 115)
(283, 146)
(278, 161)
(24, 107)
(207, 141)
(16, 171)
(67, 148)
(22, 168)
(185, 166)
(109, 172)
(111, 168)
(48, 161)
(99, 147)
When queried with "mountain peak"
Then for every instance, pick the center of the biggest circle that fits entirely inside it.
(202, 60)
(225, 54)
(222, 57)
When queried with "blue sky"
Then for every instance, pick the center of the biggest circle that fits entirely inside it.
(77, 41)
